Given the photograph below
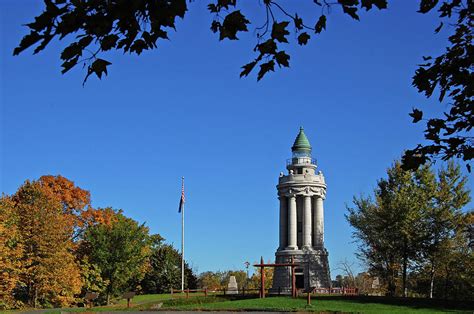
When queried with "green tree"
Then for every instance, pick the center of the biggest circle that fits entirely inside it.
(444, 216)
(389, 229)
(120, 250)
(415, 224)
(101, 26)
(164, 271)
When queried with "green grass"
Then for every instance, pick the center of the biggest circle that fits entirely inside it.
(325, 304)
(286, 304)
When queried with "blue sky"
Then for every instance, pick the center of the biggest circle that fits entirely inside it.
(182, 110)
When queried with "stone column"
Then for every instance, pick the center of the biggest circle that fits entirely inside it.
(319, 223)
(283, 222)
(292, 223)
(307, 222)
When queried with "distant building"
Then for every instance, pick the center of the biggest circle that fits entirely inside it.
(302, 192)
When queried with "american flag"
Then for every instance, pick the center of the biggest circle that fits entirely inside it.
(182, 200)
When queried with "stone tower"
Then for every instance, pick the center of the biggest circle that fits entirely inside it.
(301, 193)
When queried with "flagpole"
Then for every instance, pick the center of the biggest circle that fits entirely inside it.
(182, 242)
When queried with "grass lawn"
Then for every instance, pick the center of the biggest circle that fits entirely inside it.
(326, 304)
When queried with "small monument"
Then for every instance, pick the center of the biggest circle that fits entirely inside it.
(232, 287)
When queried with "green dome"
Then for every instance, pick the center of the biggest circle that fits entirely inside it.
(301, 143)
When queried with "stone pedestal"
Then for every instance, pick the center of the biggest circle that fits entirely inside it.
(313, 271)
(232, 287)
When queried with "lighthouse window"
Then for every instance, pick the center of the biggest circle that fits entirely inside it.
(300, 171)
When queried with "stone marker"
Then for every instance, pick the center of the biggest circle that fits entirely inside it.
(232, 287)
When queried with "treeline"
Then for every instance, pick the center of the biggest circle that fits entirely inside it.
(55, 247)
(220, 279)
(413, 234)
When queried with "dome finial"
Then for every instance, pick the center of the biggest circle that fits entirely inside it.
(301, 142)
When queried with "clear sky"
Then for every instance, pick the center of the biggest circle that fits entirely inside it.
(182, 110)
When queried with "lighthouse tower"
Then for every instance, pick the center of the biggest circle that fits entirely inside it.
(301, 192)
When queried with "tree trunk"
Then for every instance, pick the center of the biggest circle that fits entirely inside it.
(405, 266)
(432, 273)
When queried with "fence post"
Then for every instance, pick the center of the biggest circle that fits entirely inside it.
(309, 298)
(205, 292)
(171, 291)
(279, 290)
(187, 293)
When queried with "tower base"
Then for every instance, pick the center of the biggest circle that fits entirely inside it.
(312, 272)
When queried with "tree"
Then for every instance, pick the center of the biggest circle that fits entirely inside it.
(444, 216)
(50, 275)
(11, 250)
(120, 250)
(415, 222)
(74, 200)
(164, 271)
(210, 280)
(388, 229)
(101, 26)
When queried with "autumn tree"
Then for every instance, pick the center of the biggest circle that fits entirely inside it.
(210, 280)
(120, 250)
(74, 200)
(11, 251)
(50, 275)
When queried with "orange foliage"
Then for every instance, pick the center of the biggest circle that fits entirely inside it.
(104, 216)
(50, 271)
(10, 253)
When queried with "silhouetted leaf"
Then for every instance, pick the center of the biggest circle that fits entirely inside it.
(264, 68)
(427, 5)
(267, 47)
(98, 67)
(380, 4)
(215, 26)
(352, 11)
(282, 58)
(321, 24)
(279, 31)
(67, 65)
(108, 42)
(439, 28)
(298, 22)
(348, 2)
(417, 115)
(234, 22)
(71, 51)
(303, 38)
(27, 41)
(248, 68)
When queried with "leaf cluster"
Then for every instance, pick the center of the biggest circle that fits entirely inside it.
(451, 74)
(99, 26)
